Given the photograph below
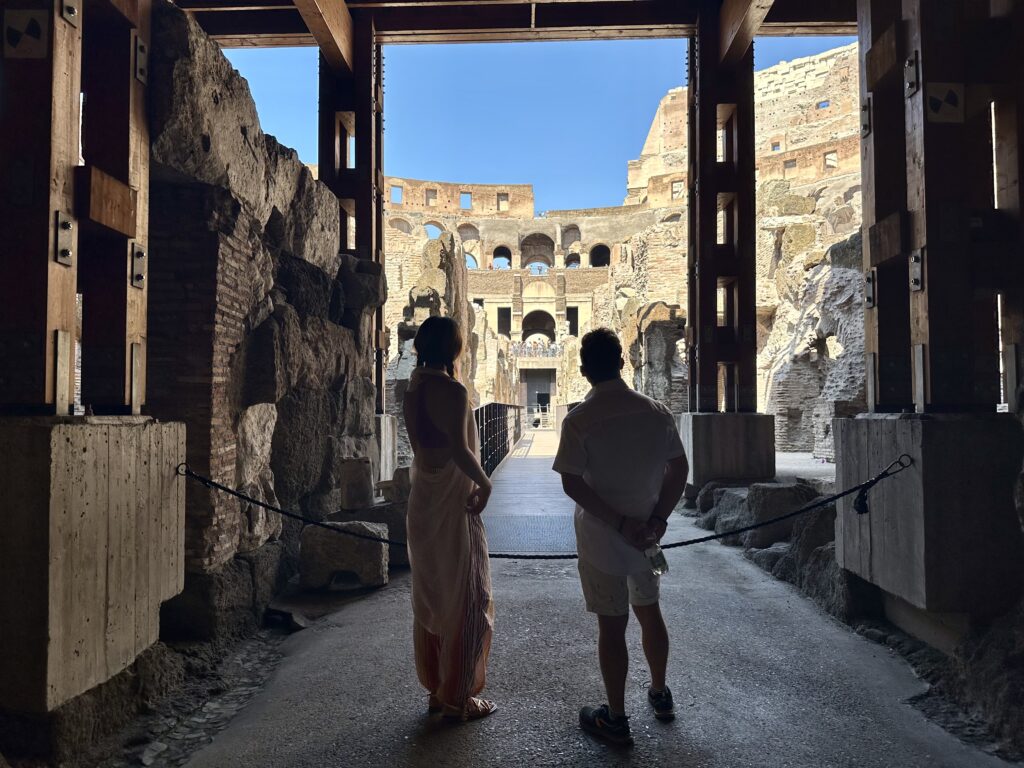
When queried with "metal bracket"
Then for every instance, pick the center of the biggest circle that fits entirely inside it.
(916, 270)
(71, 12)
(64, 239)
(141, 59)
(911, 75)
(865, 118)
(869, 289)
(138, 265)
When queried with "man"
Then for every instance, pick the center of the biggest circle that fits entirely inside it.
(622, 462)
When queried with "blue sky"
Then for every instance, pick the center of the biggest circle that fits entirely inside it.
(565, 117)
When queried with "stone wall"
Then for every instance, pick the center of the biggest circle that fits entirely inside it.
(810, 317)
(259, 330)
(810, 306)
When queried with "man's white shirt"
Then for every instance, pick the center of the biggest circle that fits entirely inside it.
(620, 441)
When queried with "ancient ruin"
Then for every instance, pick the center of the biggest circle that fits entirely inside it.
(204, 344)
(538, 282)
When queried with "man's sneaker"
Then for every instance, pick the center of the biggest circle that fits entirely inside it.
(599, 721)
(664, 709)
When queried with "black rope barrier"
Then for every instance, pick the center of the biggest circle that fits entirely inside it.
(860, 505)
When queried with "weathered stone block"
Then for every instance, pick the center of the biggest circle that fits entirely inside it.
(767, 558)
(769, 500)
(728, 446)
(353, 477)
(325, 555)
(730, 512)
(391, 514)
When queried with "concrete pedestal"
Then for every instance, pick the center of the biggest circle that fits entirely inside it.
(729, 447)
(93, 541)
(386, 429)
(943, 536)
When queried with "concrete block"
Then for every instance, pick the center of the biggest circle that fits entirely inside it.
(728, 447)
(93, 543)
(944, 535)
(325, 555)
(386, 428)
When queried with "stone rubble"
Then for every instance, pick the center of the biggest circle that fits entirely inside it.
(326, 557)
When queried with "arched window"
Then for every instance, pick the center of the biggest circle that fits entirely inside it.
(539, 268)
(538, 248)
(600, 256)
(572, 261)
(401, 225)
(471, 262)
(570, 236)
(468, 233)
(433, 229)
(502, 258)
(539, 323)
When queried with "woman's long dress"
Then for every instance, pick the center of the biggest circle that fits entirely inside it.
(451, 576)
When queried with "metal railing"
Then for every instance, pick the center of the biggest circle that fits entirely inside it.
(525, 349)
(500, 427)
(539, 417)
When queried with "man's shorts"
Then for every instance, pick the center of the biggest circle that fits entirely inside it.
(610, 595)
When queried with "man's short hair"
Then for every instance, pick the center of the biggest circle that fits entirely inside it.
(601, 354)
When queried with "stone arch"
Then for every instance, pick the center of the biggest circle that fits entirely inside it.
(600, 255)
(671, 218)
(538, 289)
(573, 261)
(570, 236)
(401, 225)
(469, 235)
(471, 262)
(434, 229)
(538, 248)
(539, 323)
(501, 258)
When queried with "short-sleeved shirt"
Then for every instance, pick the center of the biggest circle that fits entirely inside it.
(620, 441)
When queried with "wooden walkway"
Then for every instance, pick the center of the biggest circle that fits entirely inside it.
(528, 512)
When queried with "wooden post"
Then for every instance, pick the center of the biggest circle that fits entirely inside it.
(884, 184)
(722, 347)
(953, 315)
(113, 207)
(40, 81)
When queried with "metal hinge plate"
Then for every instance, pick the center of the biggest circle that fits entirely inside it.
(138, 265)
(141, 60)
(916, 270)
(911, 75)
(71, 12)
(865, 118)
(869, 289)
(64, 240)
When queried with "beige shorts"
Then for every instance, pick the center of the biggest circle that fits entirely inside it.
(610, 595)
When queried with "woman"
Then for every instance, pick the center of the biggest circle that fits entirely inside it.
(451, 576)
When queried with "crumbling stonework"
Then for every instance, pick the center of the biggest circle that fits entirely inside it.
(259, 329)
(810, 305)
(542, 281)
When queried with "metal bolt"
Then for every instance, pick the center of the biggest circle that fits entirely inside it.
(915, 258)
(70, 10)
(140, 254)
(870, 279)
(142, 47)
(140, 277)
(66, 225)
(142, 71)
(910, 62)
(65, 253)
(915, 282)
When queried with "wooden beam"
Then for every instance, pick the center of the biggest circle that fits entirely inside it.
(739, 22)
(101, 199)
(331, 25)
(38, 148)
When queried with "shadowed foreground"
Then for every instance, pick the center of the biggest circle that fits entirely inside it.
(761, 677)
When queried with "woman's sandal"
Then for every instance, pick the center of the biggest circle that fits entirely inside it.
(474, 709)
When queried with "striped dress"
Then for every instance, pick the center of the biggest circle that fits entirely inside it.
(451, 577)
